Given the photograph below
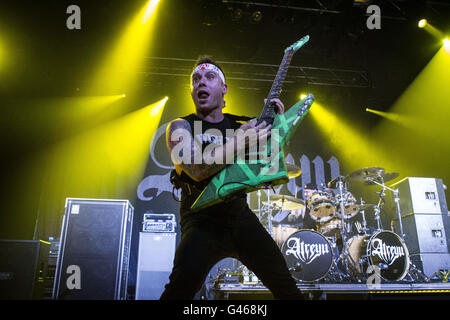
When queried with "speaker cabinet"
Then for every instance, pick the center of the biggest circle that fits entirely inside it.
(94, 250)
(425, 222)
(155, 262)
(23, 269)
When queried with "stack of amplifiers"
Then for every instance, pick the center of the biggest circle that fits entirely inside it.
(94, 250)
(157, 244)
(23, 269)
(425, 222)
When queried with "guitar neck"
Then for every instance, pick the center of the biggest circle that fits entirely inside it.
(268, 111)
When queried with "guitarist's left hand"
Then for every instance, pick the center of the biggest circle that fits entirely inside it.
(279, 106)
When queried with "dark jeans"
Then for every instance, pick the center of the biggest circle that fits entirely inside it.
(204, 243)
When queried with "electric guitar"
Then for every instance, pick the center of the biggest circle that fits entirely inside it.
(270, 168)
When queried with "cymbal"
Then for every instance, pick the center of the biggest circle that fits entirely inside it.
(285, 202)
(382, 178)
(362, 174)
(293, 170)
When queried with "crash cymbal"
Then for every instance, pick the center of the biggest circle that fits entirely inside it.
(285, 202)
(293, 170)
(380, 179)
(362, 174)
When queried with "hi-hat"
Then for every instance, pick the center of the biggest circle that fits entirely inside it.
(292, 170)
(285, 202)
(364, 173)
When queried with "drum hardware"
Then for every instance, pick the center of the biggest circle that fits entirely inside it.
(340, 183)
(362, 208)
(374, 180)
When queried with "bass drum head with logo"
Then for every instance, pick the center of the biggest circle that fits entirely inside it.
(308, 255)
(388, 252)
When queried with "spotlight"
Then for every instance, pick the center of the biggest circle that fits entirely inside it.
(446, 42)
(237, 14)
(124, 95)
(302, 96)
(422, 23)
(151, 6)
(256, 17)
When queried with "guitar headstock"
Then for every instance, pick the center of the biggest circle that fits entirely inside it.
(294, 47)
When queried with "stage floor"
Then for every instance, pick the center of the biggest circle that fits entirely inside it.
(330, 291)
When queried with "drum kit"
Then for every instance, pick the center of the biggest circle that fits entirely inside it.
(332, 252)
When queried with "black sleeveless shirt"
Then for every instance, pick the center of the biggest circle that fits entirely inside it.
(220, 212)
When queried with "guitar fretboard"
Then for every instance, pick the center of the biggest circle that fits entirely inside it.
(268, 111)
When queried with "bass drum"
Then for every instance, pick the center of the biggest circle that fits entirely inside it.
(308, 255)
(384, 250)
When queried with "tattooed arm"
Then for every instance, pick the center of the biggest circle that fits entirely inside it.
(186, 152)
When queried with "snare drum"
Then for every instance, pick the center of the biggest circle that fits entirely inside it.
(384, 250)
(308, 255)
(321, 207)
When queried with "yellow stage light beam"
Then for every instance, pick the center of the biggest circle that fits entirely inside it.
(428, 27)
(156, 110)
(149, 10)
(119, 71)
(61, 116)
(353, 145)
(422, 147)
(401, 119)
(104, 162)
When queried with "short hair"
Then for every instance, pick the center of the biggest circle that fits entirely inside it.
(207, 59)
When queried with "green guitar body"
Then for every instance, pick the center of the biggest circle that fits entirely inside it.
(268, 170)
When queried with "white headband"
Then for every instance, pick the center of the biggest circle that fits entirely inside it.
(210, 66)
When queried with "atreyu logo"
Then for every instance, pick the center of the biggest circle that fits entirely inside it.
(385, 252)
(259, 148)
(305, 252)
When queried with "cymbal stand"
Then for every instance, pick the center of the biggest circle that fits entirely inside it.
(364, 221)
(340, 184)
(397, 203)
(378, 210)
(269, 213)
(258, 193)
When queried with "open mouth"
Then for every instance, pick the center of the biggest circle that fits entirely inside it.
(202, 94)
